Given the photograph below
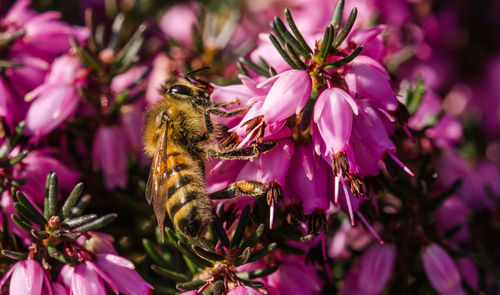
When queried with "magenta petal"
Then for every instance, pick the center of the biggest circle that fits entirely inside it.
(441, 270)
(121, 271)
(51, 109)
(86, 281)
(244, 290)
(366, 77)
(376, 266)
(287, 96)
(333, 114)
(27, 278)
(308, 176)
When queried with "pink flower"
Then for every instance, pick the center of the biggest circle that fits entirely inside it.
(177, 22)
(295, 277)
(441, 270)
(98, 243)
(109, 152)
(371, 272)
(34, 170)
(333, 113)
(369, 79)
(122, 272)
(308, 176)
(372, 41)
(87, 278)
(7, 205)
(469, 272)
(244, 290)
(287, 96)
(453, 213)
(56, 99)
(27, 278)
(158, 76)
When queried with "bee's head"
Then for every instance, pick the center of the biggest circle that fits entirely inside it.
(184, 90)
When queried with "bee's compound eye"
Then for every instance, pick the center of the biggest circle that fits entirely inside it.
(180, 89)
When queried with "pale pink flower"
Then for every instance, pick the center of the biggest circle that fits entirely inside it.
(244, 290)
(368, 79)
(56, 99)
(308, 176)
(109, 152)
(34, 170)
(441, 270)
(333, 114)
(158, 76)
(26, 278)
(177, 22)
(371, 272)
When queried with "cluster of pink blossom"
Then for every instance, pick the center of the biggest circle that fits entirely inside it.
(352, 93)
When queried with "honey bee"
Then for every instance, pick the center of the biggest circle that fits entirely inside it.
(178, 134)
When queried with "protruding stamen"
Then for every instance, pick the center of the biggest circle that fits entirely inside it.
(369, 227)
(336, 189)
(271, 214)
(348, 201)
(408, 133)
(406, 169)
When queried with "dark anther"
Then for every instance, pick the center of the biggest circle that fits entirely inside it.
(316, 222)
(274, 194)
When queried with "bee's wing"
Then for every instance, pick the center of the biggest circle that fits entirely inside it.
(156, 188)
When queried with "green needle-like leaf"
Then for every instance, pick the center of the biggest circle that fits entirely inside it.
(79, 221)
(345, 60)
(258, 273)
(242, 224)
(98, 223)
(244, 257)
(194, 258)
(40, 235)
(172, 275)
(282, 52)
(289, 38)
(346, 29)
(327, 42)
(14, 160)
(190, 285)
(28, 215)
(254, 238)
(80, 207)
(21, 224)
(21, 198)
(307, 112)
(293, 55)
(337, 15)
(262, 252)
(255, 67)
(206, 254)
(296, 31)
(242, 69)
(153, 253)
(72, 199)
(52, 194)
(14, 254)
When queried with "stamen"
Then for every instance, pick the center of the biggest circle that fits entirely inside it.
(336, 190)
(370, 228)
(406, 169)
(271, 214)
(348, 201)
(408, 133)
(375, 203)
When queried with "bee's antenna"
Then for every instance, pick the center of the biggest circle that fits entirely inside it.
(197, 70)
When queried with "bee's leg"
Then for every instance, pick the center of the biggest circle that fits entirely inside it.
(225, 104)
(248, 152)
(232, 113)
(272, 191)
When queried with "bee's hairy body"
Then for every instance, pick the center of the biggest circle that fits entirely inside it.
(178, 133)
(187, 204)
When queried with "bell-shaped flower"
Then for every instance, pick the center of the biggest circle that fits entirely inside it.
(244, 290)
(372, 41)
(369, 79)
(307, 174)
(441, 270)
(85, 279)
(469, 272)
(295, 277)
(109, 152)
(34, 170)
(287, 96)
(371, 272)
(122, 273)
(57, 98)
(26, 278)
(177, 22)
(333, 114)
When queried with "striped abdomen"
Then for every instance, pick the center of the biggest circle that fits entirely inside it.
(187, 205)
